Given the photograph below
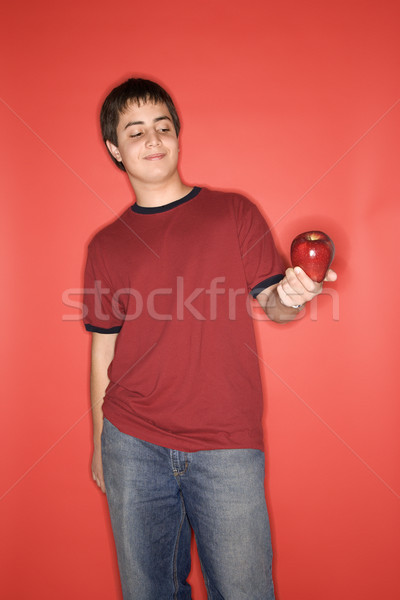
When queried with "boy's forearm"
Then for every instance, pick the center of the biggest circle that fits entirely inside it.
(98, 386)
(273, 307)
(103, 346)
(278, 312)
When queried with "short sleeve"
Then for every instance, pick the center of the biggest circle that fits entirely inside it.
(261, 262)
(102, 314)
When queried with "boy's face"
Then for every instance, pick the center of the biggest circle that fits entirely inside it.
(147, 144)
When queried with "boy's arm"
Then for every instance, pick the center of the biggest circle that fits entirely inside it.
(295, 289)
(103, 346)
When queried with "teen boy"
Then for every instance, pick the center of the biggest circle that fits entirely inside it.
(175, 386)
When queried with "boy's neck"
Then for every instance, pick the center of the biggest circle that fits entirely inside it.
(158, 194)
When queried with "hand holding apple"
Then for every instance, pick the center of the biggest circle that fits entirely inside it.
(313, 251)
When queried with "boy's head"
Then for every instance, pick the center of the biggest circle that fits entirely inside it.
(137, 91)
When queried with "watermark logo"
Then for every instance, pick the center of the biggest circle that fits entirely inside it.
(175, 303)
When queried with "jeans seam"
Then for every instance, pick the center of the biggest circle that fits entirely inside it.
(175, 569)
(186, 466)
(178, 472)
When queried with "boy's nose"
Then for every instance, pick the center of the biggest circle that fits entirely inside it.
(153, 139)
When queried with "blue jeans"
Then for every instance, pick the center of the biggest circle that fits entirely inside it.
(156, 495)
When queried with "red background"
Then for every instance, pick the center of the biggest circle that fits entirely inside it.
(295, 104)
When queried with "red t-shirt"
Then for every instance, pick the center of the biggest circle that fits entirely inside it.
(174, 281)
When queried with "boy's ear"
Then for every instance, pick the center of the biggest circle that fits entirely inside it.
(114, 151)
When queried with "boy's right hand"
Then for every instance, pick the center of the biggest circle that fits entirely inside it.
(97, 469)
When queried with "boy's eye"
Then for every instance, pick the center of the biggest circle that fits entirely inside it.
(135, 135)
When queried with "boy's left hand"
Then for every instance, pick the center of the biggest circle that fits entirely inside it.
(296, 288)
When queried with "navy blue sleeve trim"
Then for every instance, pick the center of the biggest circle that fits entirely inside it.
(95, 329)
(266, 283)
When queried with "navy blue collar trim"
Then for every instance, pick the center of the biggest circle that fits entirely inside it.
(151, 210)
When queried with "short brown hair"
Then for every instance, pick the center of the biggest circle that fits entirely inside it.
(138, 91)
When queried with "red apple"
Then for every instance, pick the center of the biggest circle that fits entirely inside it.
(313, 251)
